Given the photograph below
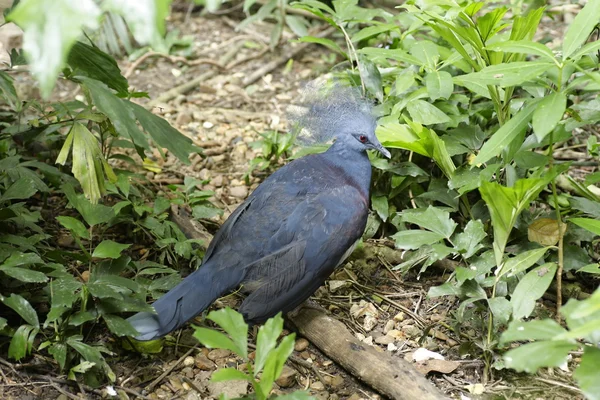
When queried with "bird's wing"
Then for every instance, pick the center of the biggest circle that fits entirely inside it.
(323, 229)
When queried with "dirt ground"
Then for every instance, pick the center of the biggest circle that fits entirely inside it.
(224, 115)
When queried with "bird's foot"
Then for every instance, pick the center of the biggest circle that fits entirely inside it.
(309, 303)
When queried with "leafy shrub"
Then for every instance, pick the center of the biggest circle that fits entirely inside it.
(264, 368)
(465, 85)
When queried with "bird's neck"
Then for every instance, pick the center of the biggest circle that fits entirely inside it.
(355, 165)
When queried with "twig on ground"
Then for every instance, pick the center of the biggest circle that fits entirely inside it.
(162, 376)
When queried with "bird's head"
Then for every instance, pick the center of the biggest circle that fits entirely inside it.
(337, 113)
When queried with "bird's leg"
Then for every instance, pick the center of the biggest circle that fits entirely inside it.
(308, 303)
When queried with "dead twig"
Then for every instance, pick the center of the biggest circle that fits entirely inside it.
(162, 376)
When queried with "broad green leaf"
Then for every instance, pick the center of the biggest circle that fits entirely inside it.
(229, 374)
(545, 329)
(373, 30)
(377, 54)
(50, 29)
(93, 214)
(507, 74)
(426, 52)
(17, 259)
(586, 328)
(586, 373)
(414, 239)
(215, 340)
(433, 219)
(119, 326)
(548, 113)
(233, 323)
(20, 344)
(59, 352)
(589, 48)
(117, 110)
(93, 355)
(275, 362)
(529, 289)
(9, 92)
(94, 63)
(580, 29)
(505, 135)
(592, 225)
(75, 226)
(297, 25)
(533, 356)
(330, 44)
(380, 205)
(163, 133)
(266, 341)
(425, 113)
(22, 188)
(439, 85)
(205, 212)
(400, 136)
(21, 307)
(501, 309)
(109, 249)
(521, 262)
(525, 47)
(24, 274)
(146, 19)
(469, 241)
(371, 77)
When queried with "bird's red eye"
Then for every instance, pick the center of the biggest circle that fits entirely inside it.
(362, 138)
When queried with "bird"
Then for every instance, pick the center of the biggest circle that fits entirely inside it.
(289, 235)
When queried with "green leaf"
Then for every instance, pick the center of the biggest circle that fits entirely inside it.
(587, 373)
(505, 135)
(380, 205)
(330, 44)
(274, 364)
(545, 329)
(266, 341)
(146, 20)
(21, 342)
(521, 262)
(215, 340)
(233, 323)
(118, 110)
(533, 356)
(469, 241)
(24, 275)
(205, 212)
(501, 309)
(433, 219)
(371, 77)
(587, 49)
(163, 133)
(297, 25)
(548, 113)
(524, 47)
(50, 29)
(21, 307)
(426, 52)
(371, 31)
(109, 249)
(529, 289)
(59, 352)
(119, 326)
(414, 239)
(23, 188)
(17, 259)
(439, 85)
(425, 113)
(9, 92)
(229, 374)
(93, 214)
(592, 225)
(580, 29)
(506, 74)
(75, 226)
(94, 63)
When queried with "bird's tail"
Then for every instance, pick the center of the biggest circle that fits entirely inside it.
(186, 300)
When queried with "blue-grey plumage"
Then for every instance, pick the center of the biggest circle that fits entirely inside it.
(287, 237)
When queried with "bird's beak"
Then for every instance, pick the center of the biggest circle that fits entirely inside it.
(379, 147)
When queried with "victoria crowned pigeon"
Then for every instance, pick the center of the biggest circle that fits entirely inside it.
(289, 235)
